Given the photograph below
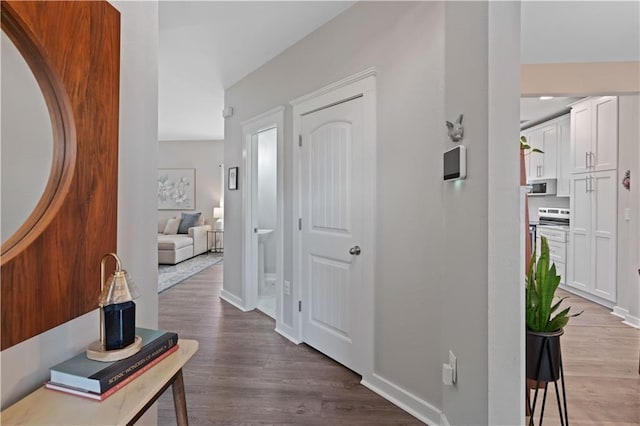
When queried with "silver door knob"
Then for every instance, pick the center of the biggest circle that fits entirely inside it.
(355, 251)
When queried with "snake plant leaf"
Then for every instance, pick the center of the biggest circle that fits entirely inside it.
(557, 305)
(525, 146)
(558, 321)
(542, 281)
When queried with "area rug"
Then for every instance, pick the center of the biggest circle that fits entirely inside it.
(170, 275)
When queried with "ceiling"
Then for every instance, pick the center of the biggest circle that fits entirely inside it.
(532, 109)
(580, 31)
(206, 47)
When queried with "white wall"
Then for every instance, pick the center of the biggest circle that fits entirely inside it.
(27, 140)
(404, 41)
(26, 366)
(421, 308)
(206, 157)
(267, 194)
(628, 295)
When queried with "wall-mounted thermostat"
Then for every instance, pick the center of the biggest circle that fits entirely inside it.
(455, 163)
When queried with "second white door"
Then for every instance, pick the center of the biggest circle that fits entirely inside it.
(332, 198)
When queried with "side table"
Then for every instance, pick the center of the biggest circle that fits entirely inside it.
(218, 243)
(126, 406)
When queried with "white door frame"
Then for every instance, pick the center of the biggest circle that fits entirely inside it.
(268, 120)
(361, 84)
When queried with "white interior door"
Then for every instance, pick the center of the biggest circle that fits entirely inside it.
(332, 216)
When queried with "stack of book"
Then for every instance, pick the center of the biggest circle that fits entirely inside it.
(99, 380)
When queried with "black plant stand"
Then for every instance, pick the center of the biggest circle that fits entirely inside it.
(564, 419)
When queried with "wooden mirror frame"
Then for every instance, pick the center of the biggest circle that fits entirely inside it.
(50, 268)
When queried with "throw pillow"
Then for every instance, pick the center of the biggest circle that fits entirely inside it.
(172, 226)
(189, 220)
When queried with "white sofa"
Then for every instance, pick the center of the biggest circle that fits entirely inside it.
(174, 248)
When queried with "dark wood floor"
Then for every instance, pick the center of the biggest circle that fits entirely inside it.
(246, 374)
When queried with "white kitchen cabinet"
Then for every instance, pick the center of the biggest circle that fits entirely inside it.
(594, 135)
(544, 137)
(591, 259)
(564, 156)
(557, 240)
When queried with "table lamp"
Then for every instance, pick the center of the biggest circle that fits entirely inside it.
(117, 316)
(218, 213)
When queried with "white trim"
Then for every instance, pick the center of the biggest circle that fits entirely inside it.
(590, 297)
(412, 404)
(632, 321)
(262, 117)
(363, 83)
(627, 318)
(286, 335)
(274, 118)
(234, 300)
(335, 86)
(620, 312)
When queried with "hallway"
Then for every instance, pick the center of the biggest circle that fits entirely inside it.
(246, 374)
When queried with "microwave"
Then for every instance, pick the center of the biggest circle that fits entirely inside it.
(542, 187)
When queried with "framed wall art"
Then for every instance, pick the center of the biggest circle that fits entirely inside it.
(176, 189)
(232, 179)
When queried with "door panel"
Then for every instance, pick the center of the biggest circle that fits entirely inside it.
(604, 234)
(332, 214)
(604, 144)
(580, 137)
(548, 159)
(579, 238)
(330, 281)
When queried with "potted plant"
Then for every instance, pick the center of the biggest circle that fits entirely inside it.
(543, 327)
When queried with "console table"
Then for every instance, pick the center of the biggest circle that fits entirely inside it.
(126, 406)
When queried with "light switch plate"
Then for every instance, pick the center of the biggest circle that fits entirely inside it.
(287, 288)
(453, 362)
(447, 374)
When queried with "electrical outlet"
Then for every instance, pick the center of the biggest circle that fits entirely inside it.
(453, 362)
(287, 288)
(627, 214)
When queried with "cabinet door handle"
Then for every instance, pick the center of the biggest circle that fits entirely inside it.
(586, 185)
(592, 159)
(586, 160)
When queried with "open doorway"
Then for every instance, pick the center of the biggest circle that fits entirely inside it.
(580, 202)
(262, 213)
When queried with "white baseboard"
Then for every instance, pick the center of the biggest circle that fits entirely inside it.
(632, 321)
(280, 329)
(417, 407)
(627, 318)
(233, 300)
(620, 312)
(593, 298)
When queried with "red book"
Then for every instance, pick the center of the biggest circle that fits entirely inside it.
(102, 396)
